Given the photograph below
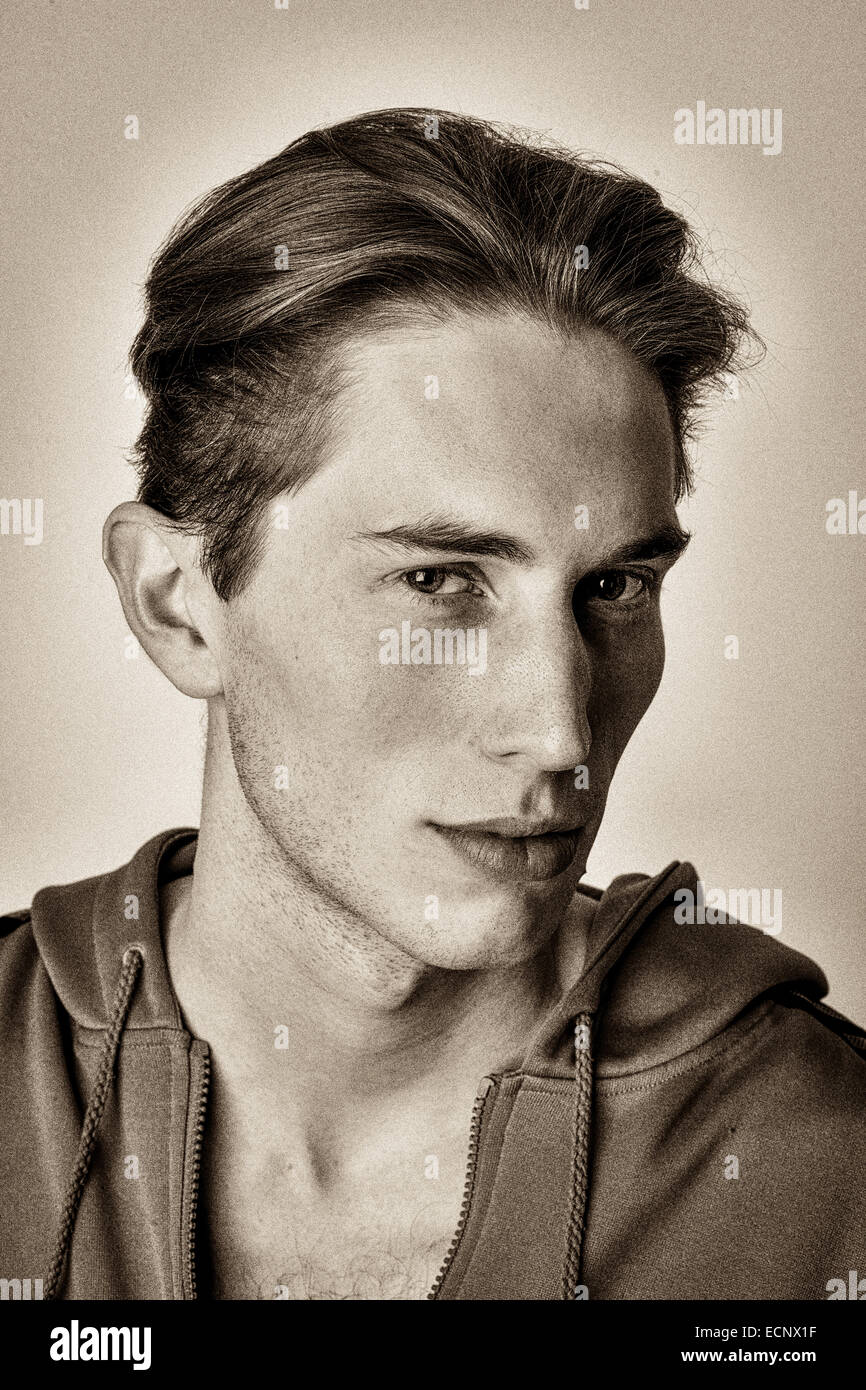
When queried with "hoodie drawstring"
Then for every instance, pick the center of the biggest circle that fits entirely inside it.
(133, 960)
(579, 1155)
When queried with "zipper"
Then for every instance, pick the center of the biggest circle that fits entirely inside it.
(195, 1177)
(469, 1182)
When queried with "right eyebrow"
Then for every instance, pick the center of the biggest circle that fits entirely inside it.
(446, 534)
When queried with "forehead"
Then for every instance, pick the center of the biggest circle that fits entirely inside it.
(506, 401)
(499, 419)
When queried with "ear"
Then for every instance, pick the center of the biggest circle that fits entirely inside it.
(169, 604)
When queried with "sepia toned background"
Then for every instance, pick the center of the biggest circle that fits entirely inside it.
(752, 768)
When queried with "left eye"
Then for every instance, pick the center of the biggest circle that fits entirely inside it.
(618, 586)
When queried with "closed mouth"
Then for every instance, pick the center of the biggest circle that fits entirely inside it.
(514, 828)
(515, 850)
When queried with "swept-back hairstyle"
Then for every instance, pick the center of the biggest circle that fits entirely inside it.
(392, 217)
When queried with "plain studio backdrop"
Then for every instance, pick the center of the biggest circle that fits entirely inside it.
(750, 767)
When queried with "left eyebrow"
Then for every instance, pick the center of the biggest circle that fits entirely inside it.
(445, 535)
(667, 543)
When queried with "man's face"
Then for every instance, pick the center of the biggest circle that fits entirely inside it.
(457, 511)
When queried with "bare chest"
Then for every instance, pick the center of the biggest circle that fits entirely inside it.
(361, 1266)
(384, 1240)
(301, 1256)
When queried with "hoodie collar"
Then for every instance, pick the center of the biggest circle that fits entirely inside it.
(83, 929)
(660, 988)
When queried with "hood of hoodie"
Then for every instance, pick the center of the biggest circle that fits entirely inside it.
(672, 1038)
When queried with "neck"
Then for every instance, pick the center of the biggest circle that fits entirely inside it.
(251, 951)
(292, 990)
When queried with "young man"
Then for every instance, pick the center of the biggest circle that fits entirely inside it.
(418, 397)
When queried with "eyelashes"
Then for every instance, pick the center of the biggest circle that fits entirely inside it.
(648, 582)
(621, 589)
(440, 574)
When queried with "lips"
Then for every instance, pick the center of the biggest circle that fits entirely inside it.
(515, 850)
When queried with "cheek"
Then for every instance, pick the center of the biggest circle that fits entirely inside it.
(627, 672)
(318, 690)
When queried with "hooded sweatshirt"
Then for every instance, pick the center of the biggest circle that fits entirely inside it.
(687, 1122)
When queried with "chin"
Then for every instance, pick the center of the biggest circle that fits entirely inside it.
(495, 942)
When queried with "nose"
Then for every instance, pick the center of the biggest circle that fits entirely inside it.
(540, 678)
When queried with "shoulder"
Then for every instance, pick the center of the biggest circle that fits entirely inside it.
(9, 921)
(25, 989)
(830, 1034)
(17, 943)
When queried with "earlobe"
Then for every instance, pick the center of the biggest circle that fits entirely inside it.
(155, 569)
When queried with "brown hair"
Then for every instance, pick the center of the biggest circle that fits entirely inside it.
(366, 224)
